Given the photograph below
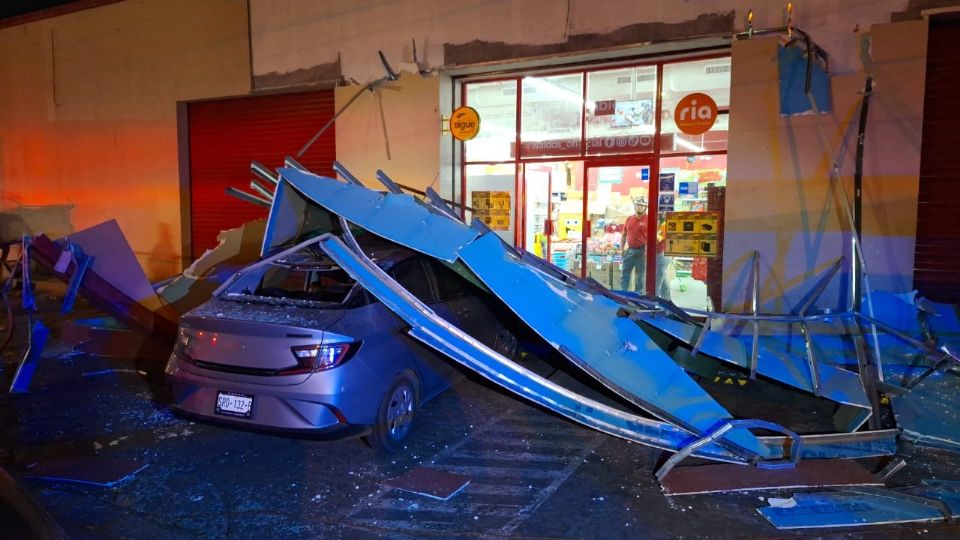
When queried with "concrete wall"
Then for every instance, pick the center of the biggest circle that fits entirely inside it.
(780, 200)
(301, 41)
(88, 115)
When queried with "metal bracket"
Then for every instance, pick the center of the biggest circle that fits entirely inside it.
(388, 183)
(263, 172)
(29, 302)
(346, 174)
(83, 262)
(36, 339)
(292, 163)
(437, 201)
(718, 431)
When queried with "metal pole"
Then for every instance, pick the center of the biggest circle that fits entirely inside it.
(754, 305)
(858, 190)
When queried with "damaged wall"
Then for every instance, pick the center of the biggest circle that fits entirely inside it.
(779, 197)
(88, 112)
(300, 39)
(395, 127)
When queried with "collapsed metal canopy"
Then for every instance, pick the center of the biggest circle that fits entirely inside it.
(614, 350)
(595, 329)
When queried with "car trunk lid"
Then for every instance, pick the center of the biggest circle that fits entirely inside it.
(253, 344)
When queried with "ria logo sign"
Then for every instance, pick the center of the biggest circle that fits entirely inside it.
(464, 123)
(695, 113)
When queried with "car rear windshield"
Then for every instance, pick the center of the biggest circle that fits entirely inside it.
(306, 277)
(318, 284)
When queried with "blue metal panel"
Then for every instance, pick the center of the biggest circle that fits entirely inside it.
(612, 348)
(400, 218)
(896, 310)
(847, 509)
(945, 491)
(792, 63)
(282, 223)
(837, 384)
(930, 413)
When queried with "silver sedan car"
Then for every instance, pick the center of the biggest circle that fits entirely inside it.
(293, 344)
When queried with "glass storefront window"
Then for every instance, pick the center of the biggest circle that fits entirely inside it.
(589, 149)
(690, 184)
(496, 102)
(711, 77)
(491, 194)
(621, 110)
(552, 109)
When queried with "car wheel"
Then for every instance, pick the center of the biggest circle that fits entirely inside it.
(395, 416)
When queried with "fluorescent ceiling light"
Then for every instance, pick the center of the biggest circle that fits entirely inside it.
(687, 144)
(556, 91)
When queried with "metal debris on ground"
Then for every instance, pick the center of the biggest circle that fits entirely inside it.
(719, 478)
(429, 482)
(98, 471)
(854, 507)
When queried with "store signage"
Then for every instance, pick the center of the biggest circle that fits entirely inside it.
(692, 234)
(695, 114)
(605, 107)
(566, 147)
(688, 188)
(464, 123)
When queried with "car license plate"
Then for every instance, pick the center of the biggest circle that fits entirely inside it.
(233, 404)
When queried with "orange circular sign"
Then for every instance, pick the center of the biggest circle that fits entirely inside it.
(464, 123)
(695, 113)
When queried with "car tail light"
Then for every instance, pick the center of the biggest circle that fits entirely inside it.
(313, 358)
(180, 347)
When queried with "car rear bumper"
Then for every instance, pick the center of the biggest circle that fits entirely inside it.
(276, 409)
(339, 431)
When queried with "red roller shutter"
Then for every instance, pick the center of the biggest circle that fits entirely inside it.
(226, 135)
(937, 258)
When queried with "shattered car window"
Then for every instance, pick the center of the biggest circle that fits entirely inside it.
(306, 277)
(317, 284)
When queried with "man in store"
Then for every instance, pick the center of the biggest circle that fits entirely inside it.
(633, 241)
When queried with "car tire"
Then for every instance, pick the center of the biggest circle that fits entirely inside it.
(395, 415)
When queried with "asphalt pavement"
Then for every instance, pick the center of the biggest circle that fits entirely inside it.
(532, 474)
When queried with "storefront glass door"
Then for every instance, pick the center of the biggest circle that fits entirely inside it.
(553, 213)
(613, 192)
